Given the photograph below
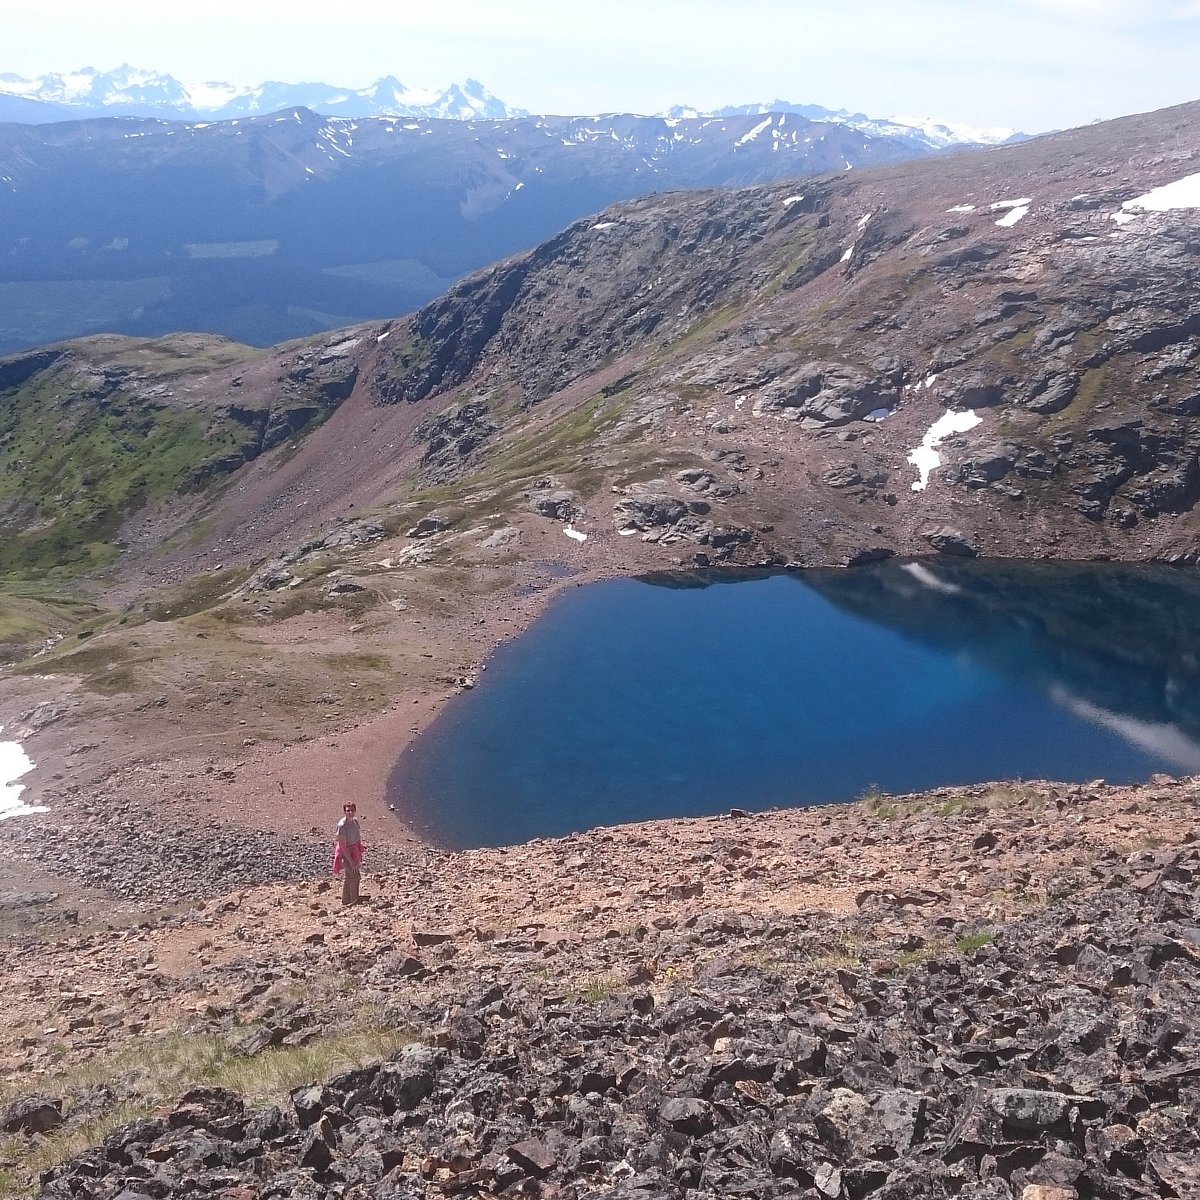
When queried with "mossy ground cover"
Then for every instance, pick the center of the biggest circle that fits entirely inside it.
(74, 463)
(175, 354)
(31, 613)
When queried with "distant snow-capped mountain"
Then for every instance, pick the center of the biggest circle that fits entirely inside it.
(132, 92)
(920, 132)
(129, 91)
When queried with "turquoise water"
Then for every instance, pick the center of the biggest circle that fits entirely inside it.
(636, 699)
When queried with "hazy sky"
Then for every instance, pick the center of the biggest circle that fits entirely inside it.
(1031, 64)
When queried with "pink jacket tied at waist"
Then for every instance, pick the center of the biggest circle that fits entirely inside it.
(353, 852)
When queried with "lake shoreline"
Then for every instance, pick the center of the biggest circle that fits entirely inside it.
(282, 795)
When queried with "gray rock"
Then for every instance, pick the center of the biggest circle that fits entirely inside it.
(705, 482)
(823, 395)
(316, 1151)
(427, 526)
(648, 511)
(271, 577)
(1052, 392)
(987, 464)
(31, 1114)
(1024, 1110)
(345, 585)
(687, 1115)
(352, 535)
(945, 539)
(560, 504)
(843, 475)
(980, 388)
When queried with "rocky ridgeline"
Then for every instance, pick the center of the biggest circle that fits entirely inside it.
(1056, 1060)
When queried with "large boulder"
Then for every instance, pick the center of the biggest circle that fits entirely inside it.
(558, 504)
(648, 510)
(945, 539)
(823, 395)
(31, 1114)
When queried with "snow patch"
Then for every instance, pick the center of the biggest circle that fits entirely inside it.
(1183, 193)
(862, 222)
(574, 534)
(749, 137)
(788, 201)
(1013, 215)
(962, 208)
(603, 225)
(925, 457)
(1024, 202)
(847, 252)
(14, 763)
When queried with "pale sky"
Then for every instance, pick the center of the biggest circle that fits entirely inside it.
(1029, 64)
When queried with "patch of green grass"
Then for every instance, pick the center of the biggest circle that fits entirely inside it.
(309, 598)
(910, 958)
(74, 461)
(1092, 386)
(103, 431)
(878, 803)
(401, 359)
(554, 449)
(1000, 798)
(30, 613)
(974, 941)
(156, 1071)
(602, 988)
(705, 326)
(845, 952)
(110, 665)
(197, 595)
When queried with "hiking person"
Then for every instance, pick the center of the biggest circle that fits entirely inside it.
(348, 853)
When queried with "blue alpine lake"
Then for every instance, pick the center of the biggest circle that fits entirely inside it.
(692, 694)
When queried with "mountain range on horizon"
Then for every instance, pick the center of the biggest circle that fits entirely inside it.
(276, 226)
(135, 92)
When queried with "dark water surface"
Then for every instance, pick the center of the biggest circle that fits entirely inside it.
(685, 695)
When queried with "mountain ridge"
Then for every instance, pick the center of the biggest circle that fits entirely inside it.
(266, 228)
(129, 91)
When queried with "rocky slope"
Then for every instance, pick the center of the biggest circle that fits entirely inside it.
(983, 993)
(93, 431)
(784, 352)
(986, 994)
